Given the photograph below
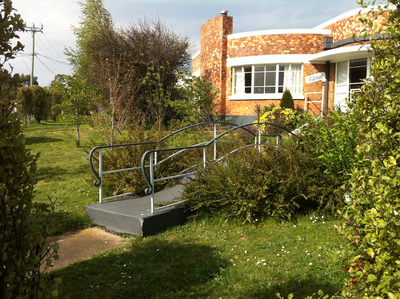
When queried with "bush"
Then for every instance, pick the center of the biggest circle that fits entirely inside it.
(24, 253)
(277, 182)
(372, 215)
(333, 139)
(287, 100)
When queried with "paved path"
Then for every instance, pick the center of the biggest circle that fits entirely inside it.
(81, 244)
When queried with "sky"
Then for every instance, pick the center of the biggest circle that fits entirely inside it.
(184, 17)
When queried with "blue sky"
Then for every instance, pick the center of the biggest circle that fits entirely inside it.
(182, 16)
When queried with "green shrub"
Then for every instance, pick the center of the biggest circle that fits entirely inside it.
(277, 182)
(287, 100)
(333, 139)
(372, 217)
(24, 253)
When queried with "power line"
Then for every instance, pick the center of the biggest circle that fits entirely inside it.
(53, 47)
(60, 62)
(25, 62)
(46, 66)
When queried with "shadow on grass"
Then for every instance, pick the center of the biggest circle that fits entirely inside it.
(149, 268)
(35, 140)
(54, 172)
(299, 288)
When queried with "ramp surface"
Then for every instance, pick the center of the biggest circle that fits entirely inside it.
(131, 215)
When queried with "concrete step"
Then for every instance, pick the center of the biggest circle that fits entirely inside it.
(131, 215)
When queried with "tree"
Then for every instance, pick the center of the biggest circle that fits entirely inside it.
(112, 101)
(23, 248)
(94, 37)
(75, 102)
(56, 97)
(10, 23)
(150, 44)
(287, 100)
(26, 80)
(372, 215)
(34, 102)
(197, 104)
(137, 47)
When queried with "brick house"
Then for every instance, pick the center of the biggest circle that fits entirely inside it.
(320, 66)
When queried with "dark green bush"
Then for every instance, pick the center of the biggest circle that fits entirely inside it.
(287, 100)
(277, 182)
(24, 253)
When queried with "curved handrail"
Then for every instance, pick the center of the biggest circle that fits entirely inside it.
(97, 181)
(205, 144)
(200, 124)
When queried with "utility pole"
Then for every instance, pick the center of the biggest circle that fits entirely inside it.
(34, 30)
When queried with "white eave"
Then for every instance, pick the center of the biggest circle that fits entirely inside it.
(340, 54)
(196, 54)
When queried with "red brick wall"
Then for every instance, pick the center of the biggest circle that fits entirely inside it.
(196, 64)
(275, 44)
(214, 38)
(345, 28)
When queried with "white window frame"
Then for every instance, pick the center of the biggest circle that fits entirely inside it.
(255, 96)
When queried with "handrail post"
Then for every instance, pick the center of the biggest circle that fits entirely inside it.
(101, 174)
(204, 156)
(152, 182)
(215, 142)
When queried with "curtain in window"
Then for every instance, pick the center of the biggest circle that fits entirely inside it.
(239, 81)
(293, 78)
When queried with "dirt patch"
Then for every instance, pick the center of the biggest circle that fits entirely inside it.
(81, 244)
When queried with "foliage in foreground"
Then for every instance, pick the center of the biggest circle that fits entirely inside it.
(24, 254)
(373, 216)
(280, 181)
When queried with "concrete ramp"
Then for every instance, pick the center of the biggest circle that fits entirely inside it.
(131, 215)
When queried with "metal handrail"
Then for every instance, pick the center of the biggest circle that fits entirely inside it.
(99, 176)
(150, 181)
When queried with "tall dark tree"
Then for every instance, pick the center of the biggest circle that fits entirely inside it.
(135, 48)
(26, 80)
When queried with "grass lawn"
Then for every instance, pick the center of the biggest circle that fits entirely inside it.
(207, 258)
(63, 171)
(211, 258)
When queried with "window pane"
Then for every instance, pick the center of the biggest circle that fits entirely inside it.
(270, 67)
(358, 74)
(247, 79)
(247, 90)
(270, 78)
(259, 68)
(281, 76)
(259, 79)
(269, 89)
(283, 66)
(358, 62)
(280, 89)
(247, 69)
(258, 89)
(342, 65)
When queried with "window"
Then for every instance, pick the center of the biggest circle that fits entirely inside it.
(267, 79)
(349, 78)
